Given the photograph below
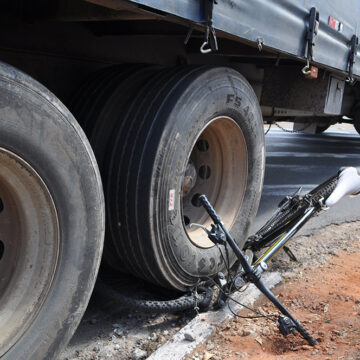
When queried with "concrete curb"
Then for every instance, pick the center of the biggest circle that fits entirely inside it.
(203, 325)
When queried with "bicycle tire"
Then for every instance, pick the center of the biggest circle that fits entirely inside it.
(184, 302)
(322, 191)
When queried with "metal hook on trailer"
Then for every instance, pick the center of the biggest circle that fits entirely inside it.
(210, 36)
(306, 69)
(311, 33)
(354, 44)
(203, 50)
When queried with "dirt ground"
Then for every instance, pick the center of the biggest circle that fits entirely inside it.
(322, 291)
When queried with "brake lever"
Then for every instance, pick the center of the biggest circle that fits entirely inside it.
(216, 235)
(322, 204)
(200, 226)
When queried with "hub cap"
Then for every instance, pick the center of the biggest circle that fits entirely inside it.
(29, 246)
(218, 168)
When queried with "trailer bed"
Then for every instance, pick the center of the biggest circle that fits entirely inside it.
(280, 25)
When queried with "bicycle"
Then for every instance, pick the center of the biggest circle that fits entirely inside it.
(292, 214)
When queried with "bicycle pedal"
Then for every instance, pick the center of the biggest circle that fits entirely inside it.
(239, 282)
(286, 325)
(290, 254)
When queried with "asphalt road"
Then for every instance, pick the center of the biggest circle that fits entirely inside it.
(305, 160)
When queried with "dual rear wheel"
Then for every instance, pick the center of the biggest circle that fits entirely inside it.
(162, 137)
(357, 125)
(356, 118)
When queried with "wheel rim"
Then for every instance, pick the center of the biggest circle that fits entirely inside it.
(217, 167)
(29, 246)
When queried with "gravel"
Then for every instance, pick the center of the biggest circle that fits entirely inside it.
(139, 354)
(107, 332)
(189, 336)
(314, 249)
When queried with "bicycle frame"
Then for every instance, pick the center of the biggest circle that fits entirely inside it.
(283, 240)
(293, 212)
(220, 235)
(301, 208)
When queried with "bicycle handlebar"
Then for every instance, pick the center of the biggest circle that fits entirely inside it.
(345, 182)
(210, 210)
(348, 184)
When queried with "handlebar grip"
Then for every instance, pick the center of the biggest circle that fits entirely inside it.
(348, 184)
(325, 189)
(210, 210)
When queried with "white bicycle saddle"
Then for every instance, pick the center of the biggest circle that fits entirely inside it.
(348, 184)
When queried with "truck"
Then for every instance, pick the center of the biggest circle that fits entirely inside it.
(116, 115)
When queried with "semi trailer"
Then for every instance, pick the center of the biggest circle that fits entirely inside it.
(116, 115)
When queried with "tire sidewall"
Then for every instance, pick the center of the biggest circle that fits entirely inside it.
(216, 92)
(357, 124)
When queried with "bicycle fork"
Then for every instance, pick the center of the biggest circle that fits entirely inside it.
(253, 274)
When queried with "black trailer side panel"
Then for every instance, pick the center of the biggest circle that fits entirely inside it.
(281, 24)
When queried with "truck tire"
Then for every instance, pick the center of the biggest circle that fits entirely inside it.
(181, 132)
(357, 125)
(320, 129)
(51, 220)
(356, 117)
(96, 106)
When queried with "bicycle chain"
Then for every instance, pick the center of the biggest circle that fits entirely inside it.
(286, 130)
(292, 131)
